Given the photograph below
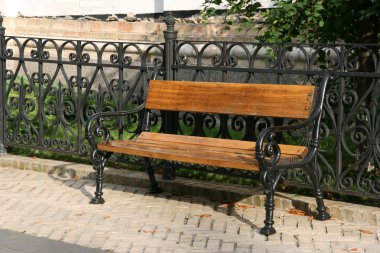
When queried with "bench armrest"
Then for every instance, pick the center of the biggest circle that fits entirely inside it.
(100, 130)
(268, 151)
(268, 154)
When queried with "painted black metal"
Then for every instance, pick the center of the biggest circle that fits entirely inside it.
(99, 160)
(2, 88)
(55, 87)
(268, 154)
(97, 131)
(170, 118)
(51, 87)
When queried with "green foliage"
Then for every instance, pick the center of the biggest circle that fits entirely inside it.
(308, 20)
(245, 8)
(57, 118)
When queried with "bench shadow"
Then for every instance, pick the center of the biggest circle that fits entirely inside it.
(68, 177)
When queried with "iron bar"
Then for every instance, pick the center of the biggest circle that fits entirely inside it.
(3, 97)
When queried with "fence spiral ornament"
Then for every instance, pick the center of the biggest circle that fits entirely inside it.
(238, 123)
(9, 52)
(73, 57)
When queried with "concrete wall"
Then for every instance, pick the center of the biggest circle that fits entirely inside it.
(29, 8)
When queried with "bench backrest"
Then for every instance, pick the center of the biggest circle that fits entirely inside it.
(273, 100)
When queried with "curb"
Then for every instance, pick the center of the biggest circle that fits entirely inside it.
(220, 192)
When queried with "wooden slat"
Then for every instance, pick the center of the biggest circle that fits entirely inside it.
(242, 146)
(287, 101)
(192, 150)
(176, 154)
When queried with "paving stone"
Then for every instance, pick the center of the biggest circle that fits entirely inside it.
(371, 249)
(219, 225)
(334, 229)
(245, 231)
(323, 247)
(187, 239)
(228, 247)
(137, 249)
(288, 239)
(151, 250)
(213, 244)
(243, 250)
(200, 242)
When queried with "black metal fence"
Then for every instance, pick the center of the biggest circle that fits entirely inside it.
(49, 87)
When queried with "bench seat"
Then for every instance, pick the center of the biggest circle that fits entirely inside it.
(202, 150)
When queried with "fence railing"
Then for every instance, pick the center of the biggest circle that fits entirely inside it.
(49, 88)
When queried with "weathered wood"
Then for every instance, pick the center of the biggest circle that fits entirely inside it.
(207, 142)
(200, 150)
(285, 101)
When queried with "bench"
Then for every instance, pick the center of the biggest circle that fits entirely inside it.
(266, 156)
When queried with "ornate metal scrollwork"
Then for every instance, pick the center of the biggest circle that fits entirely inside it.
(79, 83)
(101, 130)
(183, 60)
(73, 57)
(272, 151)
(34, 54)
(56, 85)
(9, 52)
(85, 57)
(238, 123)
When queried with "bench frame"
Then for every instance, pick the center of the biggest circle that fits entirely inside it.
(268, 154)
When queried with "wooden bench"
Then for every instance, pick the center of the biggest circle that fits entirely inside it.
(272, 160)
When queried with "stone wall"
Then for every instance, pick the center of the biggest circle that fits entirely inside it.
(41, 8)
(140, 30)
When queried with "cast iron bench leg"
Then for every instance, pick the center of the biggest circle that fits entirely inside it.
(314, 177)
(268, 228)
(99, 159)
(268, 184)
(154, 189)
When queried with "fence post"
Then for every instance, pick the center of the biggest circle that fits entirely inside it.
(170, 118)
(170, 36)
(3, 100)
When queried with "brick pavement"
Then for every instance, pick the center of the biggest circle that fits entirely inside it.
(56, 207)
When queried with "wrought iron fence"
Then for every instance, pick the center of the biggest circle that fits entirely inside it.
(350, 134)
(49, 87)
